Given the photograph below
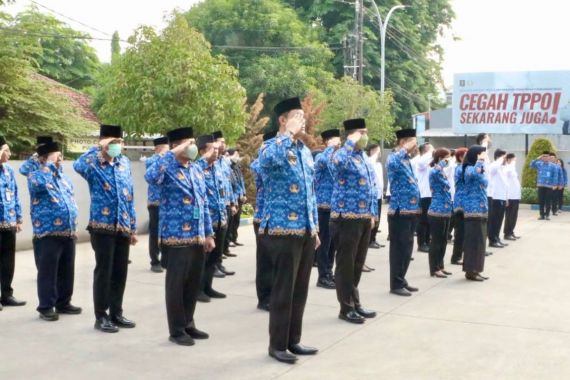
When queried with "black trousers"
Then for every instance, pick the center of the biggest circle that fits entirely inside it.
(438, 228)
(474, 246)
(182, 284)
(55, 260)
(376, 224)
(511, 216)
(351, 237)
(233, 226)
(110, 275)
(496, 217)
(451, 227)
(557, 200)
(213, 258)
(423, 224)
(489, 211)
(325, 252)
(401, 230)
(560, 199)
(153, 248)
(545, 200)
(263, 270)
(458, 237)
(292, 260)
(230, 221)
(7, 262)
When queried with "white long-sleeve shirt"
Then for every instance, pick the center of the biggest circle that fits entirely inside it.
(513, 182)
(498, 181)
(379, 171)
(420, 166)
(450, 174)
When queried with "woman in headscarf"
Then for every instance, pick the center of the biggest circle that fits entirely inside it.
(475, 211)
(458, 199)
(439, 212)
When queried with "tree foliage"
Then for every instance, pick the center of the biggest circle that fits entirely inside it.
(276, 52)
(413, 55)
(538, 147)
(28, 106)
(63, 53)
(115, 46)
(170, 79)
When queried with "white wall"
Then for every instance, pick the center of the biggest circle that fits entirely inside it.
(24, 238)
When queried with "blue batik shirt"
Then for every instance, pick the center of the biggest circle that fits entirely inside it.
(216, 204)
(546, 173)
(111, 189)
(153, 195)
(324, 182)
(404, 190)
(184, 218)
(236, 180)
(441, 202)
(256, 170)
(564, 177)
(476, 203)
(10, 209)
(354, 193)
(290, 203)
(226, 169)
(559, 175)
(54, 211)
(459, 198)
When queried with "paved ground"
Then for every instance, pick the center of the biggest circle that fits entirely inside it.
(514, 326)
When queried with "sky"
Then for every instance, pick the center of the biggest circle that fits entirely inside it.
(493, 35)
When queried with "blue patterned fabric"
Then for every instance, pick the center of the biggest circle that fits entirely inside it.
(184, 217)
(153, 195)
(54, 211)
(441, 202)
(30, 165)
(111, 189)
(546, 173)
(214, 183)
(290, 203)
(259, 201)
(475, 204)
(228, 193)
(459, 198)
(324, 182)
(236, 179)
(559, 176)
(10, 209)
(564, 177)
(404, 190)
(354, 193)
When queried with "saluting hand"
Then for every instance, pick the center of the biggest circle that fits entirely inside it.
(317, 242)
(355, 137)
(18, 227)
(134, 239)
(210, 244)
(179, 149)
(296, 124)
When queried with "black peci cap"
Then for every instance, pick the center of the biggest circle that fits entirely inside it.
(48, 148)
(204, 140)
(2, 141)
(218, 135)
(352, 124)
(110, 131)
(160, 141)
(180, 134)
(330, 133)
(287, 105)
(43, 140)
(405, 133)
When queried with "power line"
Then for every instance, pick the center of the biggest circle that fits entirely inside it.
(53, 35)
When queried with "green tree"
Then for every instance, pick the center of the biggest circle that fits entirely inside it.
(28, 106)
(167, 80)
(275, 52)
(64, 54)
(115, 46)
(538, 147)
(347, 99)
(413, 55)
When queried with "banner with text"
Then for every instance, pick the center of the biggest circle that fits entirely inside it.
(533, 102)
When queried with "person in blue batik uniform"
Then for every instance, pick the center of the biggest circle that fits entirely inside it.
(208, 150)
(475, 209)
(557, 183)
(153, 201)
(559, 197)
(10, 224)
(238, 186)
(354, 208)
(439, 212)
(544, 183)
(186, 232)
(54, 220)
(33, 163)
(230, 199)
(324, 184)
(263, 267)
(288, 230)
(403, 210)
(112, 224)
(459, 196)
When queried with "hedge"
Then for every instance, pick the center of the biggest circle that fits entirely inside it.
(530, 196)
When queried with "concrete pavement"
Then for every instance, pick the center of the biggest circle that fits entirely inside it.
(514, 326)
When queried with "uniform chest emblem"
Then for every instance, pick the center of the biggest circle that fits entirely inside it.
(293, 216)
(362, 181)
(106, 211)
(57, 222)
(187, 201)
(294, 188)
(362, 204)
(186, 227)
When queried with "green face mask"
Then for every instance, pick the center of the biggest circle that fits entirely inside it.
(114, 150)
(363, 142)
(192, 151)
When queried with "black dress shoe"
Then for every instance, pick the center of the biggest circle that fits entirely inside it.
(49, 315)
(203, 297)
(473, 277)
(229, 254)
(446, 272)
(122, 322)
(263, 306)
(225, 271)
(104, 324)
(299, 349)
(238, 244)
(365, 312)
(366, 268)
(194, 333)
(352, 317)
(182, 340)
(547, 217)
(231, 244)
(510, 237)
(411, 288)
(156, 268)
(496, 244)
(483, 277)
(457, 263)
(515, 236)
(401, 292)
(218, 273)
(282, 356)
(11, 301)
(325, 283)
(503, 243)
(69, 309)
(438, 275)
(424, 248)
(1, 307)
(541, 218)
(214, 294)
(374, 245)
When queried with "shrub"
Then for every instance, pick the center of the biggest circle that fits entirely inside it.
(530, 196)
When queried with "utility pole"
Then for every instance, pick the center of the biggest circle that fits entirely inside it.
(360, 40)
